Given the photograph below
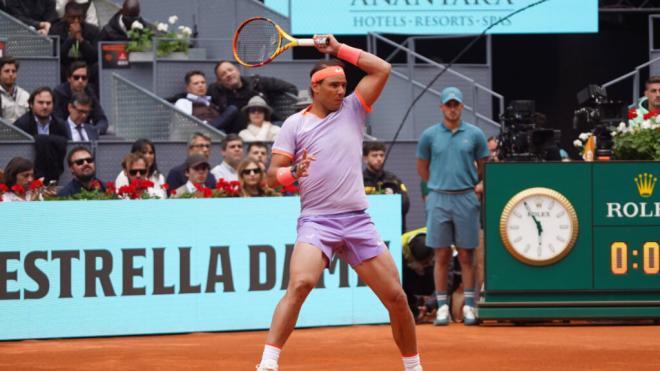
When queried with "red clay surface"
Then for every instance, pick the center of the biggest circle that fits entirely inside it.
(456, 347)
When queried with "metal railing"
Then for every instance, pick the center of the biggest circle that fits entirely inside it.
(9, 132)
(23, 40)
(138, 113)
(412, 56)
(635, 74)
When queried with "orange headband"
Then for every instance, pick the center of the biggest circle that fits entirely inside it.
(327, 72)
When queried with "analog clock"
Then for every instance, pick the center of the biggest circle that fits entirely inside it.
(539, 226)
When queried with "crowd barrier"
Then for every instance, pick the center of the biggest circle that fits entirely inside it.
(103, 268)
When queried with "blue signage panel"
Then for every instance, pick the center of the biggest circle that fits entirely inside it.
(433, 17)
(99, 268)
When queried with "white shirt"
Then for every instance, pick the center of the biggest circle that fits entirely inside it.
(156, 178)
(266, 133)
(224, 171)
(75, 134)
(14, 105)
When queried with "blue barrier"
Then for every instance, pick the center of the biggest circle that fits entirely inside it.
(102, 268)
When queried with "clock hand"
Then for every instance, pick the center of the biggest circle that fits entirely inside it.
(539, 227)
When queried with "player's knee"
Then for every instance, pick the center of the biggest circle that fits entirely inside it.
(301, 287)
(396, 300)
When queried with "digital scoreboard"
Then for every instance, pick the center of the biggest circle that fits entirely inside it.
(572, 240)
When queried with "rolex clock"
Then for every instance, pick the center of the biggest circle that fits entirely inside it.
(539, 226)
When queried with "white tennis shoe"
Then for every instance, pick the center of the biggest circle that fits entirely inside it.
(469, 316)
(442, 316)
(267, 365)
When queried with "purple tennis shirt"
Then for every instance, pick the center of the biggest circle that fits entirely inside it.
(334, 184)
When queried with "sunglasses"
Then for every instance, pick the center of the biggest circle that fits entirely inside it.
(79, 77)
(79, 162)
(251, 171)
(135, 172)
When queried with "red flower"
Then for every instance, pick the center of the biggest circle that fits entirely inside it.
(17, 188)
(3, 188)
(110, 188)
(37, 183)
(144, 184)
(173, 193)
(165, 186)
(291, 188)
(95, 184)
(207, 192)
(198, 186)
(110, 185)
(651, 114)
(632, 113)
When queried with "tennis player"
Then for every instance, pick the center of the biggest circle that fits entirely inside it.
(321, 147)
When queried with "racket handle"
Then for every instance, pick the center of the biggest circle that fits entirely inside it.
(312, 42)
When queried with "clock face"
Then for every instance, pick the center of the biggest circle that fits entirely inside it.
(539, 226)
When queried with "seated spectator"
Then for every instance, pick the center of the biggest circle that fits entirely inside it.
(197, 173)
(258, 151)
(253, 180)
(39, 120)
(135, 169)
(18, 176)
(231, 88)
(147, 149)
(199, 144)
(231, 150)
(78, 127)
(198, 104)
(39, 14)
(122, 22)
(77, 37)
(13, 98)
(89, 10)
(77, 82)
(259, 128)
(83, 171)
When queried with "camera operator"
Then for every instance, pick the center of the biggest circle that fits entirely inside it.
(649, 103)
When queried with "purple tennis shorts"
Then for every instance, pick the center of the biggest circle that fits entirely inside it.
(352, 236)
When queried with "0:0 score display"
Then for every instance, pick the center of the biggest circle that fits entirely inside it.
(621, 255)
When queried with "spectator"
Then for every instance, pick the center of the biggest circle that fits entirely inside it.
(493, 147)
(259, 127)
(39, 120)
(39, 14)
(650, 102)
(199, 144)
(258, 151)
(83, 169)
(77, 37)
(253, 180)
(232, 154)
(147, 149)
(78, 127)
(122, 22)
(197, 173)
(78, 82)
(198, 104)
(13, 98)
(20, 172)
(376, 179)
(135, 169)
(231, 88)
(89, 10)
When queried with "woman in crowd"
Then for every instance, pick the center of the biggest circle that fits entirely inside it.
(259, 128)
(136, 172)
(19, 173)
(252, 178)
(146, 149)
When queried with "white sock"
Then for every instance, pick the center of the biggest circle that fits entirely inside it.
(409, 363)
(271, 352)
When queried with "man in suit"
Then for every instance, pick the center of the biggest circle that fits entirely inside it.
(77, 82)
(83, 169)
(39, 120)
(78, 127)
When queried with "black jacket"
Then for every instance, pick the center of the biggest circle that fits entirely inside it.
(378, 182)
(88, 52)
(177, 177)
(97, 117)
(32, 12)
(268, 87)
(28, 124)
(113, 31)
(75, 187)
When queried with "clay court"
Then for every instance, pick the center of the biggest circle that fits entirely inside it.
(493, 347)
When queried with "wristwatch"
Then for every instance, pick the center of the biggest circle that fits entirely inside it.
(294, 171)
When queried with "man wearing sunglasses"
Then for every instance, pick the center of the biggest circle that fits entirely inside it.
(78, 127)
(83, 169)
(78, 82)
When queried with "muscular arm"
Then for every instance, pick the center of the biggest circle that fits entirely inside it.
(423, 169)
(276, 162)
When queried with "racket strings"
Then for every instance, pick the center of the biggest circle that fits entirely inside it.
(257, 41)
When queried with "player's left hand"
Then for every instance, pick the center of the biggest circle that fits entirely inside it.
(330, 46)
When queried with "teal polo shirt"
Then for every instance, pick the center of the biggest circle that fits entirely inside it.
(452, 155)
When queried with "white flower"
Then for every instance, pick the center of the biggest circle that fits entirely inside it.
(186, 31)
(136, 25)
(173, 19)
(162, 27)
(584, 136)
(613, 133)
(577, 143)
(622, 128)
(646, 125)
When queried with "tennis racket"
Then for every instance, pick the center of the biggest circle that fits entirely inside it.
(258, 41)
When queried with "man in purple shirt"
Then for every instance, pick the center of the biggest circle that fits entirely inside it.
(321, 148)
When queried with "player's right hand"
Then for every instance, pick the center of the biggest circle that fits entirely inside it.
(304, 163)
